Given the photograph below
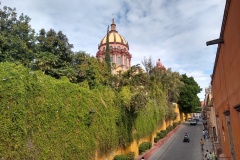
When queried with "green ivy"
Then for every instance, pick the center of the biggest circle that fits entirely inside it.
(47, 118)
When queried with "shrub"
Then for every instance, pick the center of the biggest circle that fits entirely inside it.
(161, 135)
(164, 131)
(169, 128)
(144, 146)
(120, 157)
(175, 124)
(129, 156)
(156, 139)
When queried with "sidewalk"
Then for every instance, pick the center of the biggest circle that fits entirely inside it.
(208, 144)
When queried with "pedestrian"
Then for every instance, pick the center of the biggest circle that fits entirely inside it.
(206, 154)
(204, 134)
(210, 156)
(142, 158)
(214, 156)
(201, 143)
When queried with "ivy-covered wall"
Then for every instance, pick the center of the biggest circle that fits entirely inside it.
(134, 146)
(46, 118)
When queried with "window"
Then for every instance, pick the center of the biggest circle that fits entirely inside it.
(119, 48)
(103, 48)
(111, 58)
(118, 60)
(110, 47)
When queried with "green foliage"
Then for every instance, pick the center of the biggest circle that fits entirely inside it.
(53, 53)
(82, 109)
(189, 100)
(129, 156)
(164, 132)
(107, 55)
(161, 134)
(144, 146)
(169, 129)
(91, 70)
(148, 119)
(156, 139)
(120, 157)
(170, 82)
(47, 118)
(16, 37)
(175, 124)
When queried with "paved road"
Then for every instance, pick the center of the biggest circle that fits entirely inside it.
(175, 149)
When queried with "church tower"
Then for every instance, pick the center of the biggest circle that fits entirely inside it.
(119, 50)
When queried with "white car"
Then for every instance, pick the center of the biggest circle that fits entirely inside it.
(193, 122)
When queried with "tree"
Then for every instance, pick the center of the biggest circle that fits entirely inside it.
(148, 64)
(53, 53)
(188, 100)
(107, 55)
(17, 38)
(89, 69)
(170, 82)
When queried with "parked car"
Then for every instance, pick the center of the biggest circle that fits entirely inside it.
(196, 119)
(193, 122)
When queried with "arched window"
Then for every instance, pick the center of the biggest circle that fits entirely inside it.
(110, 47)
(103, 48)
(118, 60)
(119, 48)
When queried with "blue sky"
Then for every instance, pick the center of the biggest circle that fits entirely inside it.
(175, 31)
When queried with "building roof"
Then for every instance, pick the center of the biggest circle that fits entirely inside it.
(226, 10)
(114, 37)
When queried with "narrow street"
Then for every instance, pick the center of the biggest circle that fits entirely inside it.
(175, 148)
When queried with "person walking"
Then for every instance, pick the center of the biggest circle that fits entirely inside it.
(201, 143)
(214, 156)
(206, 154)
(210, 156)
(204, 134)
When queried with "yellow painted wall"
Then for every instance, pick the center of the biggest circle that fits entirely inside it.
(133, 147)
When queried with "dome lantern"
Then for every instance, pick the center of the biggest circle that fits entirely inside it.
(113, 26)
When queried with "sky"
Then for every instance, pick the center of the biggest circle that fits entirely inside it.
(175, 31)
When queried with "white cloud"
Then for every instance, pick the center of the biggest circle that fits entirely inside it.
(175, 31)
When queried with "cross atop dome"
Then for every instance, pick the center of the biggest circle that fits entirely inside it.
(113, 26)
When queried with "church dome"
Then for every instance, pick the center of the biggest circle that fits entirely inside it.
(118, 49)
(114, 38)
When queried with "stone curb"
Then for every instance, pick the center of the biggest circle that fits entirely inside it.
(147, 154)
